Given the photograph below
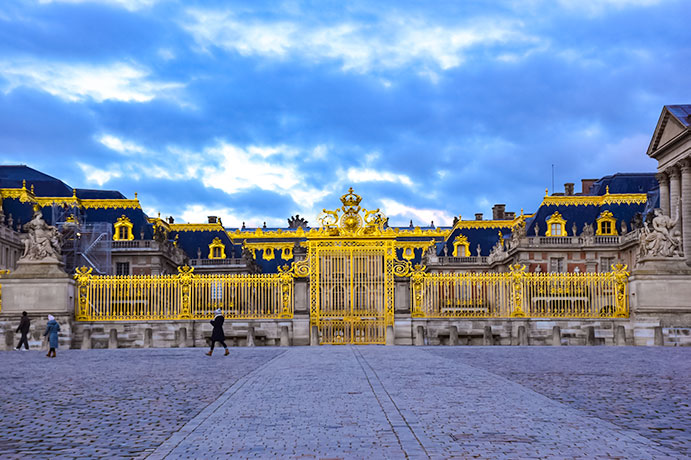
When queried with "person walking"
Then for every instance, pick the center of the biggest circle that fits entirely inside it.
(52, 328)
(24, 325)
(217, 335)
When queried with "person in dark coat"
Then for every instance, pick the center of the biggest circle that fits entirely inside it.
(52, 328)
(217, 335)
(24, 325)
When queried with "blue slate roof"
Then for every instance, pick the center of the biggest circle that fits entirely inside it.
(625, 183)
(190, 241)
(581, 215)
(485, 237)
(681, 113)
(11, 176)
(91, 194)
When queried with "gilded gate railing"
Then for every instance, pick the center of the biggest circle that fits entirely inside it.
(519, 294)
(183, 296)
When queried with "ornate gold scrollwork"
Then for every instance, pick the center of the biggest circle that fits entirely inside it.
(83, 277)
(286, 276)
(621, 279)
(517, 273)
(185, 275)
(351, 219)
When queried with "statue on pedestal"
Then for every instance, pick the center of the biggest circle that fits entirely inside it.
(660, 238)
(42, 242)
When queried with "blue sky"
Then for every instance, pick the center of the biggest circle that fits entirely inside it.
(256, 111)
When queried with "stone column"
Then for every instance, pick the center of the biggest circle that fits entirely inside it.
(686, 207)
(674, 188)
(663, 179)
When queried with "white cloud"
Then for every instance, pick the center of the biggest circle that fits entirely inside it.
(98, 176)
(390, 44)
(422, 217)
(130, 5)
(119, 145)
(77, 82)
(370, 175)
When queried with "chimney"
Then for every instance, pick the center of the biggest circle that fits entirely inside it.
(509, 215)
(586, 184)
(498, 211)
(478, 216)
(568, 188)
(213, 219)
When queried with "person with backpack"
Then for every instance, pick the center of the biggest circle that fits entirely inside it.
(52, 329)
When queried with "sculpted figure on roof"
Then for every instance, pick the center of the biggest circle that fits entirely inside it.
(42, 242)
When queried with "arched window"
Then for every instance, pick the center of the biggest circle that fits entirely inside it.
(606, 224)
(123, 229)
(556, 225)
(217, 250)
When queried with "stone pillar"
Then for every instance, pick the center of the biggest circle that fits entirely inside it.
(148, 337)
(663, 179)
(419, 336)
(686, 208)
(556, 336)
(453, 335)
(659, 339)
(86, 339)
(182, 337)
(590, 335)
(674, 174)
(9, 339)
(285, 336)
(113, 339)
(522, 336)
(390, 337)
(314, 336)
(487, 336)
(619, 336)
(250, 336)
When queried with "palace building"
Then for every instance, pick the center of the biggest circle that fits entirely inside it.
(558, 273)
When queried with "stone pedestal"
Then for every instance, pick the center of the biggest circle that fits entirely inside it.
(37, 287)
(660, 296)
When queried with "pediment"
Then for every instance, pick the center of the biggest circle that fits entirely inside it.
(668, 128)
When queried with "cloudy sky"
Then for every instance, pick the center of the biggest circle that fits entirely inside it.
(256, 111)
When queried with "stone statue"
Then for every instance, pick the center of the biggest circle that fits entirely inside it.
(574, 229)
(252, 265)
(537, 228)
(42, 242)
(637, 221)
(478, 250)
(624, 228)
(588, 230)
(661, 239)
(446, 250)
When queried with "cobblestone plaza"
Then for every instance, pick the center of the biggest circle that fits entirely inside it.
(348, 402)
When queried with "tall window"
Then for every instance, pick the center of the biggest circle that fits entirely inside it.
(606, 263)
(122, 268)
(556, 265)
(555, 230)
(122, 233)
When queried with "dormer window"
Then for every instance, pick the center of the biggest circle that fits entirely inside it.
(123, 229)
(606, 224)
(217, 250)
(556, 225)
(461, 246)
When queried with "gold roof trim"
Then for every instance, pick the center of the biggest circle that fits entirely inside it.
(25, 195)
(197, 227)
(390, 232)
(596, 200)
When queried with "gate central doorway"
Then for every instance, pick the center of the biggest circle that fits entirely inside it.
(351, 290)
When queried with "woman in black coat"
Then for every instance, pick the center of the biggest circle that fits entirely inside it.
(217, 335)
